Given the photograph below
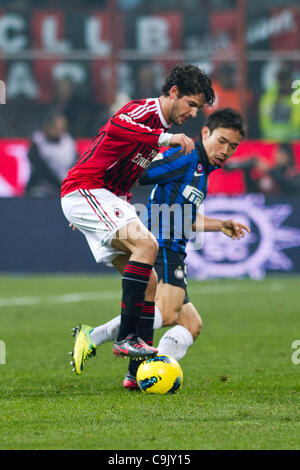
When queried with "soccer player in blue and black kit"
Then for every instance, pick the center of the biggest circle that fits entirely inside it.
(180, 186)
(181, 183)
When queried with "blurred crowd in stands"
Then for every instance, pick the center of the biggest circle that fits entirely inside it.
(272, 116)
(54, 127)
(73, 112)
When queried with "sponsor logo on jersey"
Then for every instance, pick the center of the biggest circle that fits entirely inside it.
(193, 195)
(153, 155)
(141, 161)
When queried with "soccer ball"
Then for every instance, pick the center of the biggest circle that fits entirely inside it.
(160, 374)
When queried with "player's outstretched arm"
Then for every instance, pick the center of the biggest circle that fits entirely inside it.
(229, 227)
(170, 166)
(234, 229)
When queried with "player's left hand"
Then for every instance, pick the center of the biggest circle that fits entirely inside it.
(234, 229)
(72, 226)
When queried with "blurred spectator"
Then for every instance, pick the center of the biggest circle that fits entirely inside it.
(146, 82)
(51, 154)
(224, 83)
(76, 105)
(22, 115)
(279, 117)
(225, 87)
(280, 177)
(120, 101)
(129, 4)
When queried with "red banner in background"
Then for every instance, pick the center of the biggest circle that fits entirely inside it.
(233, 182)
(15, 167)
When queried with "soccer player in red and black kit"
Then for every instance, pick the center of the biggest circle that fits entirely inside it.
(95, 194)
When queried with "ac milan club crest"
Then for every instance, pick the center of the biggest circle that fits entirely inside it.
(118, 212)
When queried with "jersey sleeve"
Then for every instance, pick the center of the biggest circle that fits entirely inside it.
(171, 167)
(129, 128)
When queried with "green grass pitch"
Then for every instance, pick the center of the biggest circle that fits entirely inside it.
(241, 389)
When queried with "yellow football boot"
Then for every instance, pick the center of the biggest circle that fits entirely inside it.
(84, 348)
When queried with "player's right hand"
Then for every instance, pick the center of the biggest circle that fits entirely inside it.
(234, 229)
(183, 141)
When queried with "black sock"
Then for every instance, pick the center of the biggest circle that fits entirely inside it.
(145, 331)
(145, 323)
(134, 284)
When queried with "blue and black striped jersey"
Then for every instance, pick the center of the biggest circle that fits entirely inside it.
(180, 187)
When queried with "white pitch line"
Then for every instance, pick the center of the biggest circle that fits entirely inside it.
(59, 299)
(110, 295)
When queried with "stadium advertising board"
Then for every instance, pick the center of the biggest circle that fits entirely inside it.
(273, 244)
(41, 241)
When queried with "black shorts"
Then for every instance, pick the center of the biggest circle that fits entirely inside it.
(171, 268)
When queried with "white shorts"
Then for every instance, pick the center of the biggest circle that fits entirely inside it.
(98, 214)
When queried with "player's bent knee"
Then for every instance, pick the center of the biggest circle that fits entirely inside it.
(191, 320)
(145, 250)
(196, 328)
(154, 278)
(170, 318)
(153, 246)
(149, 252)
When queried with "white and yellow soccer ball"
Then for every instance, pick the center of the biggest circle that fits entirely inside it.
(160, 374)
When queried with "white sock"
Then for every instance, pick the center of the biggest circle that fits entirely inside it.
(109, 331)
(158, 321)
(175, 342)
(106, 332)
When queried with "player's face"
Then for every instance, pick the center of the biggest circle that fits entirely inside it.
(220, 144)
(184, 108)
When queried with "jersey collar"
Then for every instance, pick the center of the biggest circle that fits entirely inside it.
(203, 156)
(164, 122)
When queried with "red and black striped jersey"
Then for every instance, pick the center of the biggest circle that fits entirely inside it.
(121, 151)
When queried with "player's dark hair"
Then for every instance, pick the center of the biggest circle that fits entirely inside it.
(228, 118)
(190, 80)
